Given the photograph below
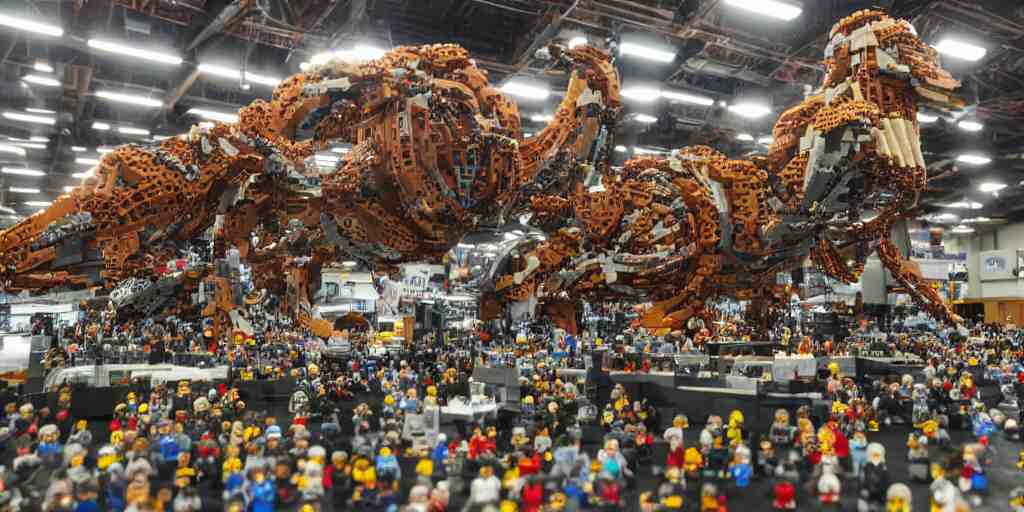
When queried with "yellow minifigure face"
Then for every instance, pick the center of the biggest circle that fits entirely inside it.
(486, 471)
(232, 465)
(692, 459)
(736, 418)
(680, 421)
(557, 501)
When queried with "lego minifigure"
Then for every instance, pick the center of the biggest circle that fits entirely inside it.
(679, 425)
(1016, 501)
(829, 486)
(898, 498)
(858, 452)
(767, 459)
(917, 458)
(874, 479)
(781, 433)
(486, 488)
(50, 450)
(740, 469)
(784, 495)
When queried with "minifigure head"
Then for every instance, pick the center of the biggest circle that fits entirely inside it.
(680, 421)
(876, 454)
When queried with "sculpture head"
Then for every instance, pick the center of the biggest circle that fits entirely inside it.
(871, 39)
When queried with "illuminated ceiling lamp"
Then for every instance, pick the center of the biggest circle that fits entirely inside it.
(771, 8)
(959, 49)
(751, 104)
(526, 90)
(647, 52)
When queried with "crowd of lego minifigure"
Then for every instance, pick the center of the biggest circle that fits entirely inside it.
(339, 443)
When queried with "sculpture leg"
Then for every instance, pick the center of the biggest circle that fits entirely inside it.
(910, 277)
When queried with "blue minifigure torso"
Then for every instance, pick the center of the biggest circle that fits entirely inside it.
(49, 449)
(169, 448)
(741, 475)
(388, 466)
(440, 453)
(263, 497)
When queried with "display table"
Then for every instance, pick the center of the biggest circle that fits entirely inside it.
(469, 413)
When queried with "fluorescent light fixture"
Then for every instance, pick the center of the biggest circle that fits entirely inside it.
(31, 26)
(524, 90)
(577, 41)
(528, 135)
(745, 137)
(340, 150)
(127, 130)
(18, 171)
(131, 99)
(41, 80)
(771, 8)
(14, 150)
(620, 148)
(87, 161)
(42, 66)
(39, 111)
(947, 217)
(30, 145)
(973, 159)
(104, 150)
(465, 246)
(644, 118)
(965, 205)
(750, 110)
(926, 118)
(360, 52)
(78, 149)
(541, 118)
(101, 126)
(649, 151)
(23, 190)
(646, 52)
(962, 229)
(970, 126)
(510, 236)
(224, 117)
(38, 203)
(961, 50)
(349, 263)
(991, 186)
(80, 175)
(641, 94)
(766, 140)
(68, 188)
(37, 138)
(235, 74)
(978, 219)
(687, 98)
(132, 51)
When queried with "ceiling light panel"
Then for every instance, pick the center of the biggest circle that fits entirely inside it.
(771, 8)
(47, 81)
(18, 171)
(224, 117)
(646, 52)
(135, 52)
(524, 90)
(131, 99)
(30, 118)
(961, 50)
(235, 74)
(31, 26)
(24, 190)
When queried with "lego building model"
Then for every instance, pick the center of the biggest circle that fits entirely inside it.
(437, 150)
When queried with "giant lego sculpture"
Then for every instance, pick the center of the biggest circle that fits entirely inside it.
(437, 151)
(844, 166)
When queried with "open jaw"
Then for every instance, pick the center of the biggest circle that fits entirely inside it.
(341, 96)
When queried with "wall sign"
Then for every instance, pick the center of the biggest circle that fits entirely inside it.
(998, 265)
